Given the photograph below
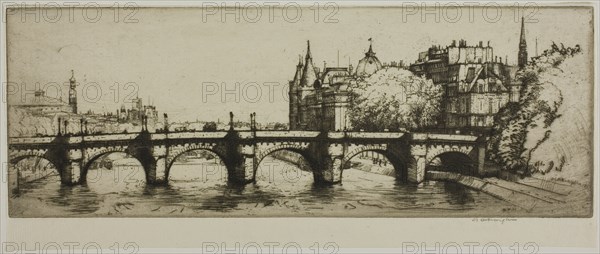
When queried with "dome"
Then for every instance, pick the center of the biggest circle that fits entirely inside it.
(369, 64)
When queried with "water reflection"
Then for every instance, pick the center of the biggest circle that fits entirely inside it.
(199, 187)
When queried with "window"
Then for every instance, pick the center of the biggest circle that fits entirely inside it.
(470, 74)
(480, 105)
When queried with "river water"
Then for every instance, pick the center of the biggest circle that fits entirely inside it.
(198, 188)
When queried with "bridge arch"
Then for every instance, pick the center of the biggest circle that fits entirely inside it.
(14, 158)
(367, 148)
(196, 147)
(96, 154)
(438, 150)
(399, 163)
(294, 148)
(16, 176)
(453, 161)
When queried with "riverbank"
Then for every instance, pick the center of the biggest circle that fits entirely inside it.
(538, 197)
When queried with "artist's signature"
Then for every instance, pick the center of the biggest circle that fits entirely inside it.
(495, 220)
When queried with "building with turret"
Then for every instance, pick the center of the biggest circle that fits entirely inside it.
(476, 82)
(319, 98)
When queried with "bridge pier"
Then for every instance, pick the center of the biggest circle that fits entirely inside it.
(156, 171)
(68, 163)
(416, 170)
(328, 168)
(241, 171)
(327, 175)
(71, 173)
(239, 159)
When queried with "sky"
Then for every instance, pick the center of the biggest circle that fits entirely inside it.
(195, 63)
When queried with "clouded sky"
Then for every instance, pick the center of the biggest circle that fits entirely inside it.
(187, 61)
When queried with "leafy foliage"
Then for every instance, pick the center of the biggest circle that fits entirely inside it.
(394, 99)
(522, 127)
(209, 126)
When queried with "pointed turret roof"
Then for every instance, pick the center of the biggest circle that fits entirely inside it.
(370, 52)
(308, 73)
(522, 39)
(298, 74)
(522, 55)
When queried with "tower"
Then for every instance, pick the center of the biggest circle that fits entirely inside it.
(309, 75)
(294, 95)
(522, 57)
(73, 93)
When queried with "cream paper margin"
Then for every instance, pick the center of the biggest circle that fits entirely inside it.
(173, 235)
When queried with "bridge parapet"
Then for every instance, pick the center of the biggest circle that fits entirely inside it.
(109, 137)
(190, 135)
(443, 137)
(376, 135)
(31, 140)
(242, 151)
(285, 134)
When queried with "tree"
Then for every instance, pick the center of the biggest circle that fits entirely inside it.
(522, 138)
(280, 126)
(393, 99)
(209, 126)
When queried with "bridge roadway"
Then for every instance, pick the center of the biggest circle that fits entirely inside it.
(242, 151)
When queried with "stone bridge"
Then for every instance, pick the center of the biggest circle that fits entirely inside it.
(243, 151)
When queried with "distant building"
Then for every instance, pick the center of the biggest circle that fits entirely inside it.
(40, 104)
(477, 83)
(135, 113)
